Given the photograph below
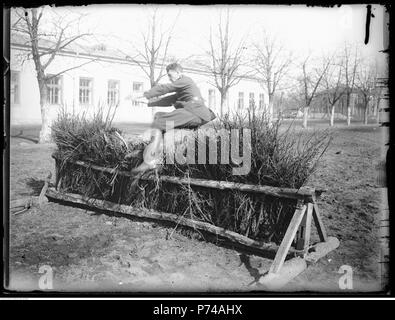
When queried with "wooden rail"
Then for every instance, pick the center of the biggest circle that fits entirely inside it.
(304, 193)
(234, 237)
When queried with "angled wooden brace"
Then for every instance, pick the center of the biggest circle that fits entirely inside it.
(304, 233)
(319, 224)
(288, 237)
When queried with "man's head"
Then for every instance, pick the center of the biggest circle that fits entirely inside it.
(174, 71)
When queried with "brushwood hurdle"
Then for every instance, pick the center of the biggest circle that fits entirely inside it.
(296, 240)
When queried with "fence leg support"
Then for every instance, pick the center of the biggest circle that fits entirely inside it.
(291, 268)
(288, 238)
(321, 249)
(319, 224)
(304, 233)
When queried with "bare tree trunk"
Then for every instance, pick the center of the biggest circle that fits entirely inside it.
(153, 84)
(378, 110)
(348, 102)
(45, 132)
(374, 108)
(305, 116)
(332, 117)
(365, 115)
(328, 111)
(353, 107)
(348, 115)
(270, 110)
(224, 102)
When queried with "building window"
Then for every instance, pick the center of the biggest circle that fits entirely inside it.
(211, 98)
(15, 86)
(138, 87)
(54, 87)
(113, 92)
(251, 101)
(85, 95)
(261, 100)
(240, 101)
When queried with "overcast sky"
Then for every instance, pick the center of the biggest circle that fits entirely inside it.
(301, 29)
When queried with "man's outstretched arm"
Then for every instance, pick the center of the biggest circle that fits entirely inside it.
(161, 101)
(162, 89)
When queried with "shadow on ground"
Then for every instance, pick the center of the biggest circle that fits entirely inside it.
(22, 135)
(36, 185)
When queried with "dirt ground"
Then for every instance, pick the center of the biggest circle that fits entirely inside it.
(90, 251)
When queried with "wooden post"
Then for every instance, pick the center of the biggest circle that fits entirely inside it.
(303, 234)
(319, 224)
(288, 238)
(57, 172)
(299, 237)
(307, 230)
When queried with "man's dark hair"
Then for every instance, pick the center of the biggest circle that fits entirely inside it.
(174, 66)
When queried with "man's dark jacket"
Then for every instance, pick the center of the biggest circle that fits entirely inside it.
(187, 95)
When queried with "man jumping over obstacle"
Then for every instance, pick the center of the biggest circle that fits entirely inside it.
(190, 111)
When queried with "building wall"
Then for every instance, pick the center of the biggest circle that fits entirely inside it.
(27, 109)
(28, 106)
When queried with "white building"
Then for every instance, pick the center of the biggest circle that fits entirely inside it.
(107, 78)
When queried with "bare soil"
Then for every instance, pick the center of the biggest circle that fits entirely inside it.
(91, 251)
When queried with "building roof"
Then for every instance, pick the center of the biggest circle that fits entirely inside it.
(101, 50)
(80, 47)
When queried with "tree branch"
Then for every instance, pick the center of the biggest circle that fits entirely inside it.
(69, 69)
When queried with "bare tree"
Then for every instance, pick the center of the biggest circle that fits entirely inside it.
(153, 54)
(310, 81)
(271, 63)
(226, 59)
(366, 84)
(334, 88)
(350, 65)
(29, 23)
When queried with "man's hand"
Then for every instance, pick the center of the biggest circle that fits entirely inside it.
(139, 99)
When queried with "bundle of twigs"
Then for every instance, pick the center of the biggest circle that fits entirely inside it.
(280, 158)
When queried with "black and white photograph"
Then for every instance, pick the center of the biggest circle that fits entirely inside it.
(197, 149)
